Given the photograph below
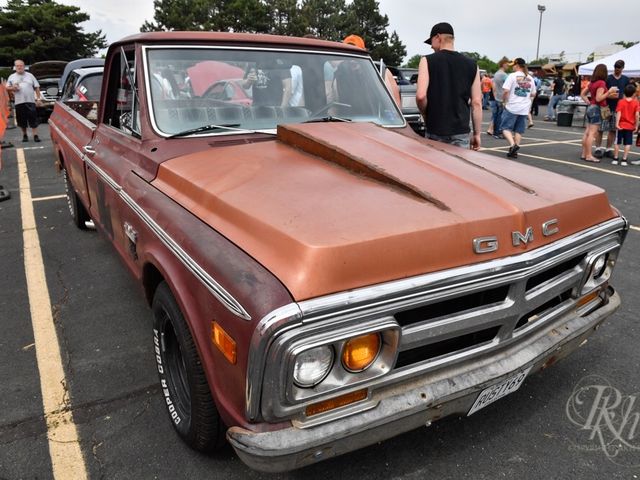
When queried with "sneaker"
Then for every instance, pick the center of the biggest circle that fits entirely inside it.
(25, 138)
(598, 152)
(623, 163)
(614, 161)
(608, 153)
(513, 151)
(498, 136)
(36, 138)
(635, 162)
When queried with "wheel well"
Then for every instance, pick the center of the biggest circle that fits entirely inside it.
(151, 278)
(60, 161)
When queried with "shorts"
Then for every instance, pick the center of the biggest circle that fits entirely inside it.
(608, 125)
(513, 123)
(593, 115)
(26, 115)
(459, 140)
(625, 137)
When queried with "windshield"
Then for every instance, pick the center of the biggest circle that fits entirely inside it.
(259, 89)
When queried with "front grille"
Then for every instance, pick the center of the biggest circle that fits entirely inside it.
(453, 306)
(456, 327)
(445, 347)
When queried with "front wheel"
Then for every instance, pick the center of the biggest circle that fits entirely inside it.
(182, 380)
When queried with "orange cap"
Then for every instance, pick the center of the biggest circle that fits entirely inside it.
(355, 40)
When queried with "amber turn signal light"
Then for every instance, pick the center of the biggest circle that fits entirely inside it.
(224, 342)
(336, 402)
(359, 353)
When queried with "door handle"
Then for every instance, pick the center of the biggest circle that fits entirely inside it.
(89, 150)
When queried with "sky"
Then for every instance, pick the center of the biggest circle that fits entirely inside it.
(494, 28)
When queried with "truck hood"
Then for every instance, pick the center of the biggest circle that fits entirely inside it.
(329, 207)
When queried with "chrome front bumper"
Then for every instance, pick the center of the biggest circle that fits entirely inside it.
(404, 407)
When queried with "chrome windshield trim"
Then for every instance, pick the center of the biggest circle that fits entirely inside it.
(377, 299)
(207, 280)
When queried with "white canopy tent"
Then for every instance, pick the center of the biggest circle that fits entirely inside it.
(631, 57)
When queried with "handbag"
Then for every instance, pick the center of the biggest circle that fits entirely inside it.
(605, 112)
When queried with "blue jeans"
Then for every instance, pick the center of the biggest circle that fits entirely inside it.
(553, 103)
(459, 140)
(485, 100)
(496, 116)
(514, 123)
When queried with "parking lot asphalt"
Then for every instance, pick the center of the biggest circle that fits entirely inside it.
(103, 331)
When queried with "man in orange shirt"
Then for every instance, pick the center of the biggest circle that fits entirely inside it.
(486, 85)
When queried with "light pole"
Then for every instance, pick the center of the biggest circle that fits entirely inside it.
(541, 9)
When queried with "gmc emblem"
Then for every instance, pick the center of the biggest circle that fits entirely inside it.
(490, 243)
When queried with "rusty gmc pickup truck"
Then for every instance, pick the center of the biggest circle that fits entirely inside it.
(320, 277)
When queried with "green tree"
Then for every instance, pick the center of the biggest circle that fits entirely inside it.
(209, 15)
(484, 63)
(181, 15)
(414, 61)
(363, 17)
(625, 44)
(325, 18)
(286, 18)
(246, 16)
(36, 30)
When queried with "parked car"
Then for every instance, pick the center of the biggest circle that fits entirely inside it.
(48, 74)
(404, 75)
(320, 277)
(79, 63)
(408, 89)
(83, 85)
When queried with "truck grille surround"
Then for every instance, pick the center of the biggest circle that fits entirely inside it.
(445, 318)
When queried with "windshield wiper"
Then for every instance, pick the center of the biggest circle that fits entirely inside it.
(329, 118)
(207, 128)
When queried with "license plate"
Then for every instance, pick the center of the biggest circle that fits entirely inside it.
(496, 392)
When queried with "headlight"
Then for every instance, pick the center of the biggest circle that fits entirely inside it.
(359, 353)
(599, 265)
(311, 366)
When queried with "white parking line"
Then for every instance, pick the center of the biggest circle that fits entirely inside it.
(51, 197)
(633, 227)
(64, 448)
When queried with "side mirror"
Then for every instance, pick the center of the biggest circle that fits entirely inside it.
(53, 91)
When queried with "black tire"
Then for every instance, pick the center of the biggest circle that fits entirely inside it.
(182, 380)
(76, 208)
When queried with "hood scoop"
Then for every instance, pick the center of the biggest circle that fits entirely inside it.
(309, 139)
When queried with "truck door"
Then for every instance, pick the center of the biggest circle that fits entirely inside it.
(115, 151)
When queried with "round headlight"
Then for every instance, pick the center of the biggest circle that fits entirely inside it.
(311, 366)
(359, 353)
(598, 266)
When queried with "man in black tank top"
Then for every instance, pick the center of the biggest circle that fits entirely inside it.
(449, 91)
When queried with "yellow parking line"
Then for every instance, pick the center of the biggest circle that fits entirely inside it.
(64, 448)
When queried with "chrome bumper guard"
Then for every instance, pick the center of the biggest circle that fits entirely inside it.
(420, 401)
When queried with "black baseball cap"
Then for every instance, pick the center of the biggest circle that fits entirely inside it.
(518, 61)
(442, 27)
(619, 64)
